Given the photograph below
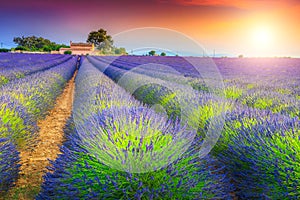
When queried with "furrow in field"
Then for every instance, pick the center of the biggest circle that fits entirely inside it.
(51, 136)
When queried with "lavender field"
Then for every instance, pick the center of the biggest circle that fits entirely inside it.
(157, 127)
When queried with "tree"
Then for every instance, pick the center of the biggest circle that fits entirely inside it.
(107, 44)
(101, 40)
(163, 54)
(120, 50)
(151, 53)
(4, 50)
(22, 48)
(34, 43)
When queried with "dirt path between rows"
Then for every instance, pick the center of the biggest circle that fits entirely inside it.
(51, 137)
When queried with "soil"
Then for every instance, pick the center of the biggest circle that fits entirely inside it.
(51, 137)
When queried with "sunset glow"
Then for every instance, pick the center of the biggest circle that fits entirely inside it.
(262, 37)
(248, 27)
(149, 99)
(263, 41)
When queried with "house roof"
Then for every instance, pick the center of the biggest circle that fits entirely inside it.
(79, 49)
(81, 44)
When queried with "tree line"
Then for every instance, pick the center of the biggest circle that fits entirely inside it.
(100, 38)
(33, 43)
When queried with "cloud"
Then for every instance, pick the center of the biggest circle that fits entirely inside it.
(230, 3)
(243, 4)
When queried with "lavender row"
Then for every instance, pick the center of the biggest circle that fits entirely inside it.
(259, 148)
(262, 72)
(176, 98)
(257, 83)
(33, 96)
(197, 74)
(260, 151)
(112, 140)
(180, 64)
(9, 60)
(9, 167)
(14, 66)
(23, 102)
(264, 83)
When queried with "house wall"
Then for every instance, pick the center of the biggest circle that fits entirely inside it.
(78, 49)
(80, 52)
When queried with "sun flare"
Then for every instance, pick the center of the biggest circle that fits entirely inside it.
(262, 37)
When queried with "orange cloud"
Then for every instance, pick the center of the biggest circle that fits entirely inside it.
(243, 4)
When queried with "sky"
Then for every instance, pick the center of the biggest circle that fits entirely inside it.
(229, 27)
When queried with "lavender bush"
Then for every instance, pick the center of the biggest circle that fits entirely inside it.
(260, 151)
(9, 167)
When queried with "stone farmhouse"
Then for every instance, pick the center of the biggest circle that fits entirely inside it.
(79, 48)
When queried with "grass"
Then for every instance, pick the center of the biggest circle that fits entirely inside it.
(13, 126)
(3, 80)
(233, 92)
(263, 103)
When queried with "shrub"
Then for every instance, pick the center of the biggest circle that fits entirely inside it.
(68, 52)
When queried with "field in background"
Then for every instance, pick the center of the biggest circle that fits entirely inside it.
(130, 138)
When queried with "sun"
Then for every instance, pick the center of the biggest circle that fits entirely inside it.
(262, 37)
